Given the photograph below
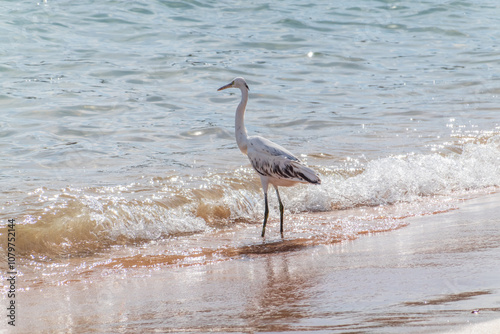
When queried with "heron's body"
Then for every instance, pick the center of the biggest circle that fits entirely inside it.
(274, 164)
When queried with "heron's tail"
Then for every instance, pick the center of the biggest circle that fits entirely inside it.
(307, 174)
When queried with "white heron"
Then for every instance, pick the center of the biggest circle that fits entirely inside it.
(275, 164)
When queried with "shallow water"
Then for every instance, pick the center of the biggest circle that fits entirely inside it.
(436, 275)
(115, 141)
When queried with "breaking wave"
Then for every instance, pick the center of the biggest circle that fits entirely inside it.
(76, 222)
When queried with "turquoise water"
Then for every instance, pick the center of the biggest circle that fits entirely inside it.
(113, 133)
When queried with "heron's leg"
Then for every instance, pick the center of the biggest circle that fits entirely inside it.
(266, 214)
(265, 183)
(281, 211)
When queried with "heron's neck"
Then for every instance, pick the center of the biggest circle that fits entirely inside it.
(239, 124)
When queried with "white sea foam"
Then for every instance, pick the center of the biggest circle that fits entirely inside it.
(139, 220)
(405, 179)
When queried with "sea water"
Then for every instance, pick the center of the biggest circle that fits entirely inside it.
(115, 140)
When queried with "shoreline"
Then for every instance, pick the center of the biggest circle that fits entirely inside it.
(428, 277)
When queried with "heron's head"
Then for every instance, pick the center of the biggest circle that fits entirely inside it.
(236, 83)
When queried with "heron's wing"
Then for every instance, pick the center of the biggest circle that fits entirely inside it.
(272, 160)
(265, 146)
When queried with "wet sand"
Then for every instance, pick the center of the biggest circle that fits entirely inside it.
(438, 274)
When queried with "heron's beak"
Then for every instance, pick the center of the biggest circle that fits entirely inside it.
(229, 85)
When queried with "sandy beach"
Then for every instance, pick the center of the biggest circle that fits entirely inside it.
(437, 274)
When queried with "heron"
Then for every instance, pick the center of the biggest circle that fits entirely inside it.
(274, 164)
